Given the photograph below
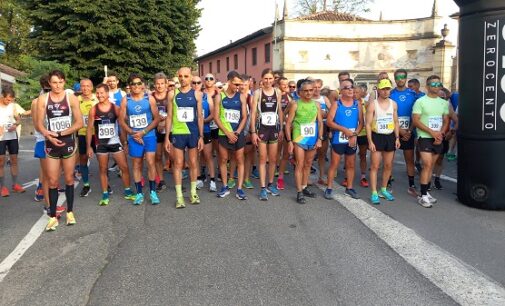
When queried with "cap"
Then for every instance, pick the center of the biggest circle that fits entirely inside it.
(384, 83)
(77, 87)
(219, 84)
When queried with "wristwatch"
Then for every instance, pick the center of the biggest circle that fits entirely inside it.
(321, 138)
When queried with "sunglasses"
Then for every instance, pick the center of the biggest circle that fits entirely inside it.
(237, 84)
(307, 90)
(209, 79)
(292, 86)
(347, 87)
(196, 83)
(400, 77)
(171, 85)
(46, 89)
(435, 84)
(136, 84)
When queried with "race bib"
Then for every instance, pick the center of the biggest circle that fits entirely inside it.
(342, 138)
(213, 125)
(308, 129)
(163, 114)
(385, 124)
(85, 120)
(268, 118)
(59, 124)
(435, 123)
(404, 122)
(138, 121)
(106, 131)
(185, 114)
(232, 115)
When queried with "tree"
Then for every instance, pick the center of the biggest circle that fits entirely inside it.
(126, 35)
(14, 32)
(308, 7)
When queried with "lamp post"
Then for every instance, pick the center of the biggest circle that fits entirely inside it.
(2, 51)
(481, 135)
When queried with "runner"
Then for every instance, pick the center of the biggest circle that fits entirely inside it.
(102, 127)
(139, 118)
(9, 121)
(160, 95)
(267, 131)
(208, 123)
(405, 99)
(383, 138)
(116, 95)
(324, 105)
(430, 116)
(185, 120)
(292, 90)
(283, 149)
(304, 120)
(345, 118)
(230, 114)
(58, 119)
(360, 93)
(249, 150)
(86, 101)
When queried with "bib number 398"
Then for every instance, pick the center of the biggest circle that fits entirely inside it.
(106, 131)
(308, 130)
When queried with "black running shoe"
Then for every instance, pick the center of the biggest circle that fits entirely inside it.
(308, 192)
(300, 199)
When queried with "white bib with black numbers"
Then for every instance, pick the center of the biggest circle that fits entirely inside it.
(385, 124)
(59, 124)
(269, 118)
(232, 115)
(138, 121)
(435, 123)
(106, 131)
(185, 114)
(308, 129)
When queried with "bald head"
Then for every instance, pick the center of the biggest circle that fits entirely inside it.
(185, 76)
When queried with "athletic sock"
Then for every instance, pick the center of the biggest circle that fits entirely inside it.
(212, 179)
(138, 185)
(281, 175)
(411, 181)
(69, 193)
(157, 179)
(363, 175)
(424, 189)
(53, 201)
(429, 186)
(383, 189)
(193, 188)
(39, 186)
(178, 190)
(85, 174)
(105, 195)
(152, 186)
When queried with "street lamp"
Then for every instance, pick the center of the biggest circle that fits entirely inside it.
(2, 51)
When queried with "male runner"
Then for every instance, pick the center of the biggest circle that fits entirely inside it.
(139, 118)
(160, 94)
(185, 120)
(58, 118)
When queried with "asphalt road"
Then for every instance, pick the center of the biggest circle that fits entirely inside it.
(231, 252)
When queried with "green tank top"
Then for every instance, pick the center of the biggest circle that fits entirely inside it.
(306, 114)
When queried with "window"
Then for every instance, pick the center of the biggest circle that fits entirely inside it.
(201, 69)
(227, 63)
(210, 67)
(254, 56)
(267, 53)
(218, 66)
(235, 61)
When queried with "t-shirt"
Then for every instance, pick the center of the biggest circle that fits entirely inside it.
(432, 111)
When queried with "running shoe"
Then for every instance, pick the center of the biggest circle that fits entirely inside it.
(194, 199)
(384, 193)
(432, 199)
(212, 186)
(328, 194)
(109, 190)
(364, 183)
(313, 170)
(307, 192)
(424, 202)
(17, 188)
(437, 184)
(286, 172)
(39, 195)
(129, 195)
(248, 184)
(154, 198)
(139, 199)
(276, 172)
(255, 174)
(235, 174)
(70, 218)
(344, 182)
(86, 189)
(451, 157)
(199, 184)
(224, 192)
(184, 174)
(263, 194)
(5, 192)
(161, 186)
(179, 203)
(231, 183)
(241, 194)
(280, 183)
(52, 224)
(412, 191)
(273, 190)
(300, 198)
(374, 198)
(104, 202)
(352, 193)
(113, 168)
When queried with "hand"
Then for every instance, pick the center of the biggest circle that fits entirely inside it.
(281, 136)
(290, 147)
(405, 135)
(137, 136)
(318, 143)
(12, 128)
(200, 144)
(168, 145)
(255, 139)
(232, 138)
(55, 141)
(353, 141)
(105, 80)
(397, 143)
(348, 133)
(89, 152)
(437, 135)
(371, 146)
(50, 134)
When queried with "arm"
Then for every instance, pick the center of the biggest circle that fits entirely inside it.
(254, 111)
(76, 112)
(156, 116)
(199, 112)
(368, 123)
(289, 122)
(217, 119)
(397, 125)
(89, 131)
(320, 125)
(168, 120)
(210, 117)
(243, 121)
(280, 113)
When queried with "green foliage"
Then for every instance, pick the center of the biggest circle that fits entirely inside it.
(307, 7)
(28, 87)
(126, 35)
(14, 31)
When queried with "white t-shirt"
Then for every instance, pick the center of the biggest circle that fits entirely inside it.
(7, 119)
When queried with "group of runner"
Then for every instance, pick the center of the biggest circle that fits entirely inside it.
(187, 122)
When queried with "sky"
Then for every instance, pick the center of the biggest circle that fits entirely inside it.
(223, 21)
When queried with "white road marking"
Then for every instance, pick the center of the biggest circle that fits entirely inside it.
(444, 177)
(28, 240)
(26, 151)
(460, 281)
(31, 183)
